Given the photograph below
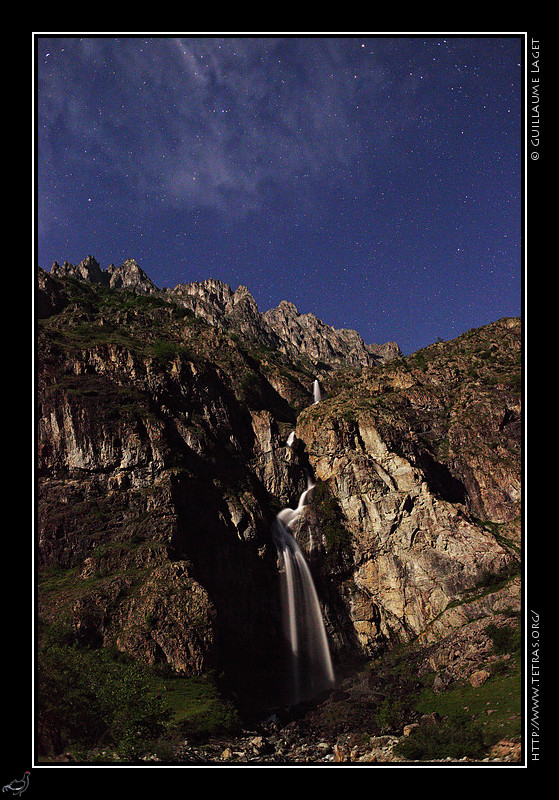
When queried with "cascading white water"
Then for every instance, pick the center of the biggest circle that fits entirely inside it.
(316, 392)
(311, 665)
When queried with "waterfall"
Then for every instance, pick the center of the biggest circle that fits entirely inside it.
(311, 665)
(316, 392)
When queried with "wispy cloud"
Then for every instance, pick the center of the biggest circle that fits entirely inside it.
(204, 122)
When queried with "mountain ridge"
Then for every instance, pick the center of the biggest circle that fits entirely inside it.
(212, 299)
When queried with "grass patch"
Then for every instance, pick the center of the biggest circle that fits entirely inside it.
(165, 350)
(500, 694)
(473, 718)
(197, 709)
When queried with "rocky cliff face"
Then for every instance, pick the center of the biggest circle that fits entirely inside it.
(163, 418)
(423, 461)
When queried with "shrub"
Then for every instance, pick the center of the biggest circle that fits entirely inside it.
(337, 537)
(505, 639)
(454, 737)
(251, 390)
(419, 360)
(164, 350)
(348, 414)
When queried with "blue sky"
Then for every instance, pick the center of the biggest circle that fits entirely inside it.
(375, 181)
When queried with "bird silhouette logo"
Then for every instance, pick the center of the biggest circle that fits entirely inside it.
(17, 787)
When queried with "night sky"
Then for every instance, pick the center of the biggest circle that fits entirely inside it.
(375, 181)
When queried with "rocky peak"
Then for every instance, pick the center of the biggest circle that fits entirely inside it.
(130, 276)
(287, 309)
(50, 295)
(305, 333)
(86, 270)
(282, 328)
(386, 352)
(242, 295)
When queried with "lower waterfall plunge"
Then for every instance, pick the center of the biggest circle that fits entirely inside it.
(311, 665)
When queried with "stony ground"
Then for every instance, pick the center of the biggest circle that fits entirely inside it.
(456, 688)
(300, 741)
(278, 746)
(282, 747)
(374, 711)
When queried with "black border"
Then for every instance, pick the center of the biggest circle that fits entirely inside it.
(19, 639)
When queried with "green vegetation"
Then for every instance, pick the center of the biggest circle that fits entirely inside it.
(418, 360)
(101, 705)
(505, 639)
(499, 531)
(348, 414)
(197, 709)
(473, 718)
(87, 700)
(251, 390)
(165, 350)
(461, 721)
(115, 401)
(455, 737)
(337, 537)
(98, 315)
(488, 583)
